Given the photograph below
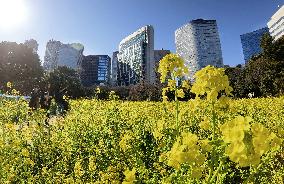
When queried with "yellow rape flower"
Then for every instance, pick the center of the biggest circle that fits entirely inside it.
(180, 93)
(275, 141)
(25, 152)
(205, 145)
(124, 142)
(172, 84)
(234, 130)
(9, 85)
(197, 172)
(92, 163)
(236, 151)
(189, 139)
(211, 81)
(129, 176)
(78, 170)
(172, 64)
(205, 124)
(185, 84)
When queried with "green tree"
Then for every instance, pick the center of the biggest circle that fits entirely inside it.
(145, 91)
(19, 65)
(264, 73)
(65, 80)
(237, 81)
(273, 50)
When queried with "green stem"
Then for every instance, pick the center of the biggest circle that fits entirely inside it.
(210, 175)
(214, 160)
(258, 167)
(216, 172)
(214, 135)
(177, 110)
(214, 122)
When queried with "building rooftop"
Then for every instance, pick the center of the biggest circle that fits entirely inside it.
(196, 21)
(139, 31)
(256, 31)
(202, 21)
(279, 12)
(277, 15)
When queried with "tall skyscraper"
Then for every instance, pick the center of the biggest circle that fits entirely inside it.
(198, 43)
(94, 70)
(276, 24)
(136, 57)
(59, 54)
(251, 43)
(114, 69)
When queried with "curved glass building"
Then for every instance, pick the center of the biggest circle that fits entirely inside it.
(198, 43)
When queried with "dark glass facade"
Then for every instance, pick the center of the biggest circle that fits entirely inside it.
(95, 70)
(251, 43)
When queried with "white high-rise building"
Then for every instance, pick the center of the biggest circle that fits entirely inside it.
(198, 43)
(136, 57)
(276, 24)
(59, 54)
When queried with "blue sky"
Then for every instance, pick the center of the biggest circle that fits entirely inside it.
(101, 24)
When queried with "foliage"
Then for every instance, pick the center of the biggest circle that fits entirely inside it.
(64, 79)
(115, 141)
(19, 65)
(210, 139)
(273, 50)
(172, 64)
(263, 75)
(144, 91)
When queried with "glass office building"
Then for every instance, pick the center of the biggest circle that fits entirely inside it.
(251, 43)
(94, 70)
(136, 57)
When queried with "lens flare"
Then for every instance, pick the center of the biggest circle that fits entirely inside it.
(13, 13)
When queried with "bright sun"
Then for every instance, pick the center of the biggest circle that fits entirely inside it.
(13, 13)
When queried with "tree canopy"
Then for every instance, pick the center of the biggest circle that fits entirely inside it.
(19, 65)
(264, 73)
(65, 80)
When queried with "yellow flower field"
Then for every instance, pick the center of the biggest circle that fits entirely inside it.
(129, 142)
(209, 139)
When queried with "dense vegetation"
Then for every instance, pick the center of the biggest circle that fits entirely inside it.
(211, 139)
(263, 75)
(18, 64)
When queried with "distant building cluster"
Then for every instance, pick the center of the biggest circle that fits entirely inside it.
(251, 41)
(197, 42)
